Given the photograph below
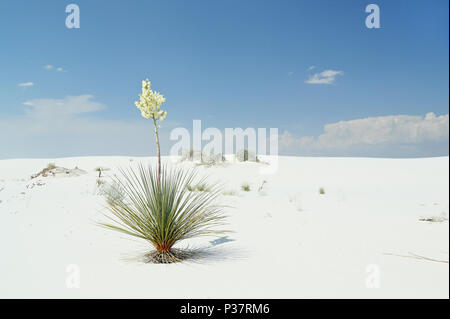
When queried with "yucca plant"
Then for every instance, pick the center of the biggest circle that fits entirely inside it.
(156, 204)
(163, 214)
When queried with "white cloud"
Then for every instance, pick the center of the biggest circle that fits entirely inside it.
(414, 135)
(26, 84)
(69, 127)
(325, 77)
(67, 106)
(51, 67)
(312, 67)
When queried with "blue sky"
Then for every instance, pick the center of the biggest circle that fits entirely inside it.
(230, 64)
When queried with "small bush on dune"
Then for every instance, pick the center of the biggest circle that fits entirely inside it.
(44, 172)
(51, 166)
(197, 188)
(213, 160)
(245, 187)
(434, 219)
(246, 156)
(190, 155)
(100, 182)
(202, 158)
(202, 188)
(111, 191)
(163, 214)
(322, 191)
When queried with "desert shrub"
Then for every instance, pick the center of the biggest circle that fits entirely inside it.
(197, 188)
(51, 166)
(212, 159)
(165, 212)
(433, 219)
(202, 158)
(112, 192)
(321, 191)
(246, 156)
(245, 187)
(44, 172)
(100, 182)
(190, 155)
(202, 188)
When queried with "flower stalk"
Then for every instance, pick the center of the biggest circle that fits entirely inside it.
(150, 106)
(158, 153)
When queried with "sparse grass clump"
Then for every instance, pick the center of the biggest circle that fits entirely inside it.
(44, 172)
(201, 158)
(197, 188)
(191, 155)
(100, 182)
(163, 211)
(321, 191)
(433, 219)
(102, 186)
(245, 187)
(51, 166)
(246, 156)
(112, 192)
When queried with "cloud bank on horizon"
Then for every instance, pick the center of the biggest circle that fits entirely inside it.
(383, 136)
(69, 127)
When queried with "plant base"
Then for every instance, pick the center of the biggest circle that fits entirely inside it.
(168, 257)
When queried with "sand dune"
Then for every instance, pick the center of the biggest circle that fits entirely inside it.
(361, 238)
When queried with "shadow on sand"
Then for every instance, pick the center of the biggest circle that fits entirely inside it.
(218, 250)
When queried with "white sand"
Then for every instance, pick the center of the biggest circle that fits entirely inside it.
(288, 242)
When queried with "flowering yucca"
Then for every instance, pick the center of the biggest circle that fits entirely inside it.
(150, 105)
(159, 208)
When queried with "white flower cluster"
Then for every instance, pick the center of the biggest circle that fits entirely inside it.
(150, 103)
